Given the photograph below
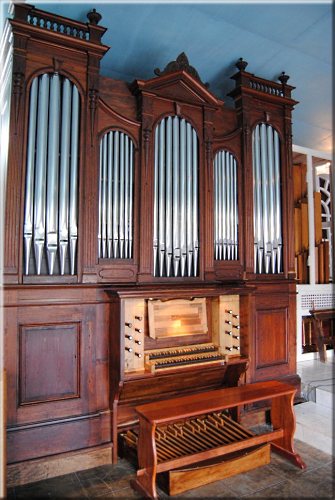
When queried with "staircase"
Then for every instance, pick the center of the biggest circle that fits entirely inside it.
(314, 418)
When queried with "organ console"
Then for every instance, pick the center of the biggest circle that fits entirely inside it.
(149, 248)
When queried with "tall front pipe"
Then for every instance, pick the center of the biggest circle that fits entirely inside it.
(73, 205)
(258, 201)
(156, 195)
(104, 198)
(265, 201)
(100, 200)
(63, 230)
(183, 195)
(168, 228)
(121, 195)
(235, 209)
(107, 146)
(115, 194)
(126, 196)
(30, 173)
(40, 173)
(195, 202)
(189, 204)
(53, 172)
(271, 199)
(278, 231)
(216, 209)
(161, 205)
(131, 188)
(229, 203)
(175, 189)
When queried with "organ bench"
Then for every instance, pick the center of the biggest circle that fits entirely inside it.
(214, 433)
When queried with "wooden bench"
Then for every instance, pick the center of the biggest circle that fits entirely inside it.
(154, 416)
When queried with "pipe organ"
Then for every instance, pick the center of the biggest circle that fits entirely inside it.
(51, 211)
(267, 200)
(176, 238)
(226, 207)
(149, 247)
(115, 236)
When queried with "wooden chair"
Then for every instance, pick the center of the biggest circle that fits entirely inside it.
(323, 337)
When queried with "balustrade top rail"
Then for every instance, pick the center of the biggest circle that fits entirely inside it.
(59, 24)
(265, 86)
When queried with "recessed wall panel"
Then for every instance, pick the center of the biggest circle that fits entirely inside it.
(49, 362)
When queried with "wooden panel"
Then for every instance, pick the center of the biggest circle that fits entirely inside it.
(34, 441)
(321, 264)
(297, 230)
(45, 468)
(297, 189)
(271, 331)
(49, 362)
(326, 257)
(192, 477)
(304, 226)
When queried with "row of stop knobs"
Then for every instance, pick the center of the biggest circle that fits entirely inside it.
(130, 337)
(231, 314)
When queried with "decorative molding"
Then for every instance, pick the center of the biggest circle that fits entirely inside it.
(146, 140)
(57, 64)
(283, 78)
(241, 64)
(94, 17)
(18, 79)
(181, 63)
(93, 98)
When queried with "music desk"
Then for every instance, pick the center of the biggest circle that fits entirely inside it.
(154, 456)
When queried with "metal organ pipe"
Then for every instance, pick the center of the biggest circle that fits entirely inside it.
(176, 240)
(63, 228)
(195, 201)
(267, 200)
(53, 173)
(29, 198)
(225, 207)
(115, 234)
(51, 199)
(40, 171)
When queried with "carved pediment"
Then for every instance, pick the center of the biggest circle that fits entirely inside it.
(178, 85)
(181, 63)
(178, 81)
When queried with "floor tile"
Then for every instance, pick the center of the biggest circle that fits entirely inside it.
(61, 487)
(249, 482)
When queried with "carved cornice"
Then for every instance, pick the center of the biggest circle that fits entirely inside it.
(181, 63)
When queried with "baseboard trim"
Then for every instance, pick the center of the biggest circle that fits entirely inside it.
(57, 465)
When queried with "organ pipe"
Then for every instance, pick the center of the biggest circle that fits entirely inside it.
(115, 235)
(267, 200)
(225, 207)
(175, 234)
(51, 200)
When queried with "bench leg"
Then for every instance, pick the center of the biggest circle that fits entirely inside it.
(282, 416)
(145, 482)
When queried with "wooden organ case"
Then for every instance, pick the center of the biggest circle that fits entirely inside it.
(149, 237)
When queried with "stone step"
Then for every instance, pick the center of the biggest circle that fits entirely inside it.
(321, 393)
(314, 426)
(325, 396)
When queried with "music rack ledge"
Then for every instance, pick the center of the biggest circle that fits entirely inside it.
(153, 415)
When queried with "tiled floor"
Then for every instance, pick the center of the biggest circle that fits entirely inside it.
(279, 479)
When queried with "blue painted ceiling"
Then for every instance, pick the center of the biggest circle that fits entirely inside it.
(272, 37)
